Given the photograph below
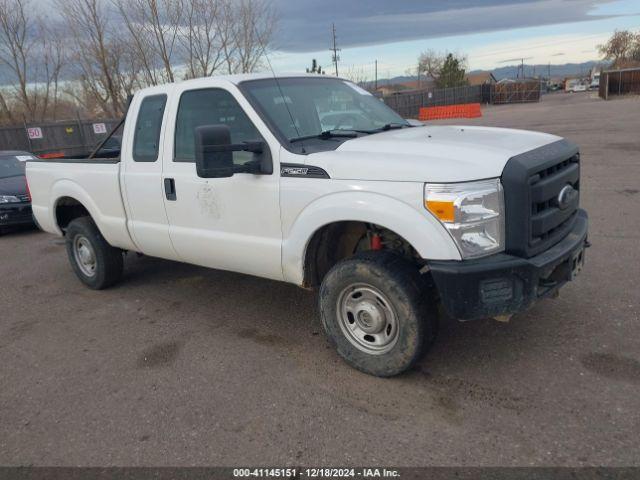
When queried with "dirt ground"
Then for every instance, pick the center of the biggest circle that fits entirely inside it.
(179, 365)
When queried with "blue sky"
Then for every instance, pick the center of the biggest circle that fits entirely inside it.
(489, 32)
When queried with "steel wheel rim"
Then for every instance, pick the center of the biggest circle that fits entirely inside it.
(367, 319)
(84, 255)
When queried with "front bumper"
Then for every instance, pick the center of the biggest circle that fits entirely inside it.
(15, 214)
(504, 284)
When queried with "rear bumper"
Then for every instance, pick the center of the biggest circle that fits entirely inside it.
(15, 214)
(504, 284)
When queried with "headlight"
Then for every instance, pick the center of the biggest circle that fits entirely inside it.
(472, 212)
(9, 199)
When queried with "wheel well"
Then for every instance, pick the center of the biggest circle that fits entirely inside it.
(68, 209)
(340, 240)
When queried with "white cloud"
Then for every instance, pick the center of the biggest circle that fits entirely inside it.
(554, 49)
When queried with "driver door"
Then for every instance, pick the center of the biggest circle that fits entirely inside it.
(225, 223)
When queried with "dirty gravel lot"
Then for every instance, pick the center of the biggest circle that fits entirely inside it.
(181, 365)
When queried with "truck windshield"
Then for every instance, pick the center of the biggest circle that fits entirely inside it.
(10, 166)
(307, 108)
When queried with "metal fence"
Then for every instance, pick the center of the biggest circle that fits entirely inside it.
(408, 104)
(619, 82)
(71, 138)
(516, 92)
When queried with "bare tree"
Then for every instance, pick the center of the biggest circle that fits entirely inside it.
(53, 60)
(204, 37)
(358, 75)
(106, 69)
(154, 27)
(34, 59)
(430, 63)
(16, 46)
(6, 114)
(622, 49)
(255, 22)
(116, 46)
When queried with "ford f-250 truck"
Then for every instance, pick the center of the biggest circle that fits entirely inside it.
(312, 180)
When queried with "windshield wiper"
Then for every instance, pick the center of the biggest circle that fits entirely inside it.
(327, 134)
(386, 127)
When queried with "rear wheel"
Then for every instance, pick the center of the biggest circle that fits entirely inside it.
(96, 263)
(378, 312)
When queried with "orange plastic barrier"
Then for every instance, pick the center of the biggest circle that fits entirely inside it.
(47, 156)
(463, 110)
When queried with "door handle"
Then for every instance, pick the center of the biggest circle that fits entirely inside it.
(170, 188)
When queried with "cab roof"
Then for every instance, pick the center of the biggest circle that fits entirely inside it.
(218, 80)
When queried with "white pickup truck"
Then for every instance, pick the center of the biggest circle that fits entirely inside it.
(312, 180)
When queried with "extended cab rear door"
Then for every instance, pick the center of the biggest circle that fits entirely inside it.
(227, 223)
(141, 180)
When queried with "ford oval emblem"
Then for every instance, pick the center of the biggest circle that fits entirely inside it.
(566, 196)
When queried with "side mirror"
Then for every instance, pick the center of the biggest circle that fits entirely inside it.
(214, 152)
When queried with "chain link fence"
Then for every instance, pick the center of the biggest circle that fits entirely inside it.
(408, 104)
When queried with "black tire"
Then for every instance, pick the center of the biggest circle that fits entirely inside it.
(108, 261)
(413, 305)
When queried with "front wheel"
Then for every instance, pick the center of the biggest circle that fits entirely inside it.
(96, 263)
(378, 312)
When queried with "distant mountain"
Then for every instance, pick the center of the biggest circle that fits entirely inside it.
(510, 71)
(565, 70)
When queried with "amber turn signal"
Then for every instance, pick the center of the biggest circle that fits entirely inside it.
(444, 211)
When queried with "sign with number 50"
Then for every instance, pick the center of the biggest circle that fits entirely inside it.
(35, 133)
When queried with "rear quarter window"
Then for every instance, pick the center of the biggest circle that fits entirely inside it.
(146, 141)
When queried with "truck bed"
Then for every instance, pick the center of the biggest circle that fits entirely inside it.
(94, 183)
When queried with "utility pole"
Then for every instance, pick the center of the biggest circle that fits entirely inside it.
(376, 78)
(335, 58)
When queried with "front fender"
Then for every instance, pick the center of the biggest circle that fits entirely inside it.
(412, 222)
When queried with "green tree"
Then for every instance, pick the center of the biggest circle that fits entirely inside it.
(315, 68)
(452, 72)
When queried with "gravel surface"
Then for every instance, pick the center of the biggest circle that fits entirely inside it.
(179, 365)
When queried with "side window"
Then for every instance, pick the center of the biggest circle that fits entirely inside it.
(211, 107)
(146, 140)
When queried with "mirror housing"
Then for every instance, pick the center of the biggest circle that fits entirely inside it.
(214, 153)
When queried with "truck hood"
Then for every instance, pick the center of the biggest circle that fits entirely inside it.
(429, 154)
